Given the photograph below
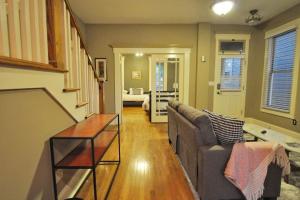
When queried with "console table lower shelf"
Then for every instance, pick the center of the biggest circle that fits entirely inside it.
(93, 137)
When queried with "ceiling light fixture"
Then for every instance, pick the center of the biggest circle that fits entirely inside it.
(139, 54)
(254, 18)
(222, 7)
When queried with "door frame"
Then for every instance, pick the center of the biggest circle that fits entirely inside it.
(118, 52)
(246, 38)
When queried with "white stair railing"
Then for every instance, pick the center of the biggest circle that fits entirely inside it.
(4, 43)
(23, 30)
(26, 42)
(81, 75)
(24, 26)
(14, 28)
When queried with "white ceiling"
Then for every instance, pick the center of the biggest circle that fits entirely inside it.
(171, 11)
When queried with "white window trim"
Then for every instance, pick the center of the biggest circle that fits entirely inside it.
(295, 24)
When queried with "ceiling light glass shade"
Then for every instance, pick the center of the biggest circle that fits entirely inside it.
(254, 18)
(139, 54)
(222, 7)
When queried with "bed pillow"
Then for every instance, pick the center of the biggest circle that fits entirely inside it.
(228, 130)
(136, 91)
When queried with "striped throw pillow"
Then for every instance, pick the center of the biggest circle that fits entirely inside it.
(227, 130)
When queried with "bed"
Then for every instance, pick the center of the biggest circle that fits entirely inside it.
(135, 99)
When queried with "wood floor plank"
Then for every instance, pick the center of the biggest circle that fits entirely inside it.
(149, 169)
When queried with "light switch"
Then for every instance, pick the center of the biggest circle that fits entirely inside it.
(211, 83)
(203, 59)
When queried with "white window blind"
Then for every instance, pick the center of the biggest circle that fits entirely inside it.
(279, 71)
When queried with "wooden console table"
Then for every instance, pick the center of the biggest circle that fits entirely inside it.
(96, 137)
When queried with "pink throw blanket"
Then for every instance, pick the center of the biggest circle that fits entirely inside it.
(248, 165)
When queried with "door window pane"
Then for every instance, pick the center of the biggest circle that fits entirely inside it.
(159, 76)
(231, 71)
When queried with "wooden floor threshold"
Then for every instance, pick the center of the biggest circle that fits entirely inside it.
(81, 104)
(71, 89)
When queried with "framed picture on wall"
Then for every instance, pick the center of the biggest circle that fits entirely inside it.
(101, 68)
(136, 75)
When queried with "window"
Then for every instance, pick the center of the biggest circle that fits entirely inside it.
(232, 46)
(231, 72)
(160, 76)
(279, 76)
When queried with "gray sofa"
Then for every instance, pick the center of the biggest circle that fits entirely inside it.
(191, 137)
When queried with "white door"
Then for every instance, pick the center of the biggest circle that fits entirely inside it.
(166, 83)
(229, 90)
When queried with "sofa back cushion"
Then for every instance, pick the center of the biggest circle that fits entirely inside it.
(174, 104)
(172, 127)
(228, 130)
(201, 121)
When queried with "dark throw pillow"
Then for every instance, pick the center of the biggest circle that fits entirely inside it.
(228, 130)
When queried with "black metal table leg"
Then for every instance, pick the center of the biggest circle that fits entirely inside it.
(53, 169)
(119, 139)
(94, 170)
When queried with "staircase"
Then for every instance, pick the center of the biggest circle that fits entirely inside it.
(41, 47)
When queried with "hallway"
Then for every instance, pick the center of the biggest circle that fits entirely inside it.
(149, 169)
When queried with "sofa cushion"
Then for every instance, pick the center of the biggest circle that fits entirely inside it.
(174, 104)
(228, 130)
(201, 121)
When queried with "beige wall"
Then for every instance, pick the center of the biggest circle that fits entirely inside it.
(206, 47)
(15, 78)
(255, 73)
(100, 37)
(133, 63)
(28, 119)
(81, 27)
(205, 36)
(205, 70)
(201, 38)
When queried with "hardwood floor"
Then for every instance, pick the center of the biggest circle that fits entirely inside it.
(149, 169)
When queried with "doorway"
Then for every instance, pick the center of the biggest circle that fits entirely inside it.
(231, 74)
(119, 52)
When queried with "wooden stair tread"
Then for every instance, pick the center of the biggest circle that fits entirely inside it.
(71, 89)
(81, 104)
(89, 115)
(26, 64)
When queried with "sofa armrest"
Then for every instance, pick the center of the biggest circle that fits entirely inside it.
(212, 161)
(212, 184)
(214, 158)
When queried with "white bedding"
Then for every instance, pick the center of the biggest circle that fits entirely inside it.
(146, 104)
(130, 97)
